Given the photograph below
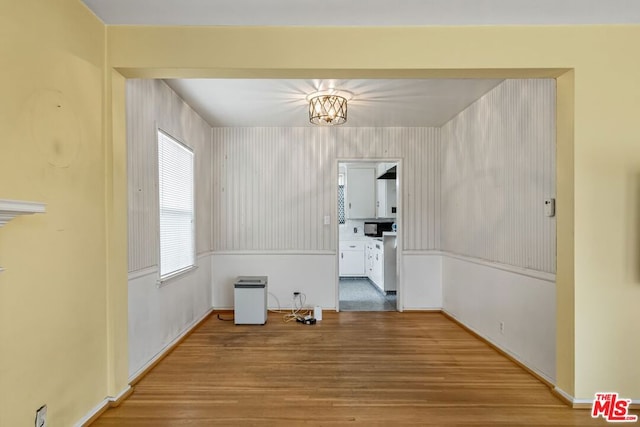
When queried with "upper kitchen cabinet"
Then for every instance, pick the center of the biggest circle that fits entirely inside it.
(361, 192)
(386, 190)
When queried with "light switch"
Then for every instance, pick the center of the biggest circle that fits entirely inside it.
(327, 220)
(550, 207)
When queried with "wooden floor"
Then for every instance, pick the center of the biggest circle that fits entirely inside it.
(376, 368)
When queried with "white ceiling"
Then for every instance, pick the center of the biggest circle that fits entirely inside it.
(376, 103)
(365, 12)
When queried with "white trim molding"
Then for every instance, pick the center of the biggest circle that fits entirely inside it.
(10, 209)
(101, 407)
(143, 272)
(584, 402)
(168, 347)
(504, 349)
(430, 252)
(275, 252)
(204, 254)
(536, 274)
(154, 268)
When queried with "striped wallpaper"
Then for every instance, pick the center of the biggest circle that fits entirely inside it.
(151, 104)
(273, 186)
(475, 187)
(498, 166)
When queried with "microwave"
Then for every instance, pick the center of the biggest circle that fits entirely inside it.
(375, 229)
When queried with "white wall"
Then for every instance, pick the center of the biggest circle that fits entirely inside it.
(498, 166)
(313, 274)
(159, 315)
(482, 294)
(422, 272)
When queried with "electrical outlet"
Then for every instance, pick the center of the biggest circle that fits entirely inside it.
(296, 294)
(41, 416)
(502, 328)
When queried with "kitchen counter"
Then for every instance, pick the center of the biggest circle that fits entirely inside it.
(353, 238)
(360, 237)
(378, 254)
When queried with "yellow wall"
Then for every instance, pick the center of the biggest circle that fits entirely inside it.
(598, 151)
(53, 312)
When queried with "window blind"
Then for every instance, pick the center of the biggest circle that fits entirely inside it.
(177, 234)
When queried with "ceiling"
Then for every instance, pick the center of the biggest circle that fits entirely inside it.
(375, 103)
(246, 102)
(365, 12)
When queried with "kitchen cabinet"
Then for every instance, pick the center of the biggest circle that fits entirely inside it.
(369, 256)
(360, 201)
(390, 261)
(380, 262)
(351, 262)
(386, 194)
(375, 263)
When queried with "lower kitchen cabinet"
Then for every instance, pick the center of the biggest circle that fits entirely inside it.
(368, 259)
(351, 261)
(376, 275)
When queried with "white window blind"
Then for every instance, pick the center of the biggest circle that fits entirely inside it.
(177, 235)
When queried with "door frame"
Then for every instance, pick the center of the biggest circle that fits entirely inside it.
(399, 223)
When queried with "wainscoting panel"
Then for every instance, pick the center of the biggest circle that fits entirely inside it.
(482, 296)
(157, 315)
(313, 274)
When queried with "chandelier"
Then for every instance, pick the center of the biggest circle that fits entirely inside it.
(328, 108)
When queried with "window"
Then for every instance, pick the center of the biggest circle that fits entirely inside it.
(175, 179)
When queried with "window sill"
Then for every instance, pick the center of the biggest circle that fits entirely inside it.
(163, 281)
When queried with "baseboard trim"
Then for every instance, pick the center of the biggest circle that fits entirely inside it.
(564, 396)
(109, 402)
(114, 402)
(506, 354)
(136, 377)
(584, 403)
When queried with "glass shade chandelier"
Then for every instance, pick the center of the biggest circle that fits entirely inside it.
(328, 108)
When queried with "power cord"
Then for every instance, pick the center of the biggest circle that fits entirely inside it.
(298, 312)
(279, 310)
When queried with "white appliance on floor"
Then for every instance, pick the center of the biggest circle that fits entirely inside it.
(250, 300)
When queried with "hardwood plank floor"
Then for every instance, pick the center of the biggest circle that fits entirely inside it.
(366, 368)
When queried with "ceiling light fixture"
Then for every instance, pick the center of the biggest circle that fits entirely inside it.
(328, 108)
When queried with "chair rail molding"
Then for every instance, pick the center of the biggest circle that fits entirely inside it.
(10, 209)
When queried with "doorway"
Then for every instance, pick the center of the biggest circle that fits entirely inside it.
(368, 214)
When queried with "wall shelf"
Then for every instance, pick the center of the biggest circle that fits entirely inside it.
(10, 209)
